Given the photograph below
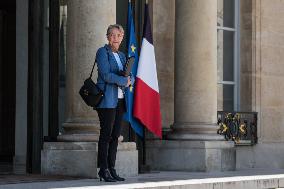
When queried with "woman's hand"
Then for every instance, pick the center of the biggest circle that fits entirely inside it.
(128, 81)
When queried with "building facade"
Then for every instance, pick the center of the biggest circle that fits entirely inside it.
(212, 55)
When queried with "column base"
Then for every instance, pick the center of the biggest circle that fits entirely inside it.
(79, 131)
(195, 131)
(19, 166)
(195, 137)
(127, 159)
(77, 159)
(171, 155)
(80, 159)
(78, 138)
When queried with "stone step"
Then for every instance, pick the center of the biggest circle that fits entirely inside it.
(6, 168)
(248, 182)
(247, 179)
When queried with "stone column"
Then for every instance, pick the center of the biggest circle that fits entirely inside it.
(87, 22)
(22, 62)
(194, 140)
(195, 70)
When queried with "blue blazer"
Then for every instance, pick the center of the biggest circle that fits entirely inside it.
(108, 76)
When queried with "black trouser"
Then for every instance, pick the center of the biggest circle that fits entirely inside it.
(110, 123)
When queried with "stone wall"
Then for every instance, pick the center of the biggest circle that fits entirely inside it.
(269, 46)
(266, 70)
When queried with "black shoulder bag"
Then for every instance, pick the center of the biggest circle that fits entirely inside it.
(90, 92)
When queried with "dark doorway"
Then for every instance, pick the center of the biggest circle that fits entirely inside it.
(7, 83)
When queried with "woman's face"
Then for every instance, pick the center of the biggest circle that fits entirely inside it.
(115, 38)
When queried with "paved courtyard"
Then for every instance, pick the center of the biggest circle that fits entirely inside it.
(256, 178)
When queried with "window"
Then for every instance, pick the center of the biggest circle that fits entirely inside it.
(228, 55)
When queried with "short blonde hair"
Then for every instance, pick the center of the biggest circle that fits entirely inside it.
(114, 26)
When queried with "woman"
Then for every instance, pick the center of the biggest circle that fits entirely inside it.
(110, 62)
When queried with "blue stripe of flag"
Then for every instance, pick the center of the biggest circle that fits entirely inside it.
(147, 33)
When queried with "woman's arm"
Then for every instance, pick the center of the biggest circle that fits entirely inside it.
(104, 69)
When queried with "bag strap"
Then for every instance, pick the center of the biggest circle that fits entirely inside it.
(92, 69)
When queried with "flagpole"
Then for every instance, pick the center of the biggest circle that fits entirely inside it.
(144, 151)
(145, 167)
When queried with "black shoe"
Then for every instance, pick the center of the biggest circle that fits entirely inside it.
(114, 175)
(104, 174)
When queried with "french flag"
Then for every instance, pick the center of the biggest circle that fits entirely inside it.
(146, 96)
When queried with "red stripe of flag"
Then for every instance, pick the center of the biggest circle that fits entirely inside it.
(147, 107)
